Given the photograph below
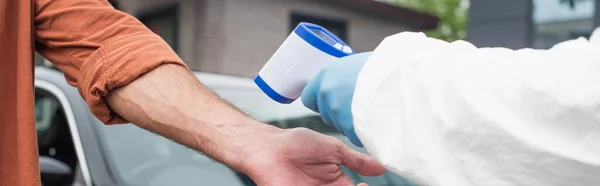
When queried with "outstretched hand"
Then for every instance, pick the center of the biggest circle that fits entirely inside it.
(306, 158)
(185, 111)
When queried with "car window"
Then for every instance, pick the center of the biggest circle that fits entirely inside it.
(48, 117)
(142, 158)
(46, 108)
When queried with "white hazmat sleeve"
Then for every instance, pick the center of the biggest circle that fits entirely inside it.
(440, 113)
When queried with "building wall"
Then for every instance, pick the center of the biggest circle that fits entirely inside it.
(238, 36)
(256, 28)
(547, 35)
(505, 23)
(597, 17)
(190, 19)
(509, 23)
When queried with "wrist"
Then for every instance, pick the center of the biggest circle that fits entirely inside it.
(225, 134)
(235, 144)
(248, 146)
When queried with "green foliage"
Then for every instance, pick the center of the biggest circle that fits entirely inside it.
(453, 16)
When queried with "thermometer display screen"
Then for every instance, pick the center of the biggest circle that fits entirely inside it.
(323, 35)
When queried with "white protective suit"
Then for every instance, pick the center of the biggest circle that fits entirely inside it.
(440, 113)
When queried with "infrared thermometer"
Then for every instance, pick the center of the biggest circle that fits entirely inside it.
(300, 58)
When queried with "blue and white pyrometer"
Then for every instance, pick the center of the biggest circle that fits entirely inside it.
(302, 55)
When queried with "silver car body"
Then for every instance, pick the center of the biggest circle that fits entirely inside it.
(128, 155)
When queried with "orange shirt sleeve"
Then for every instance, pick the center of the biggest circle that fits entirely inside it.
(98, 48)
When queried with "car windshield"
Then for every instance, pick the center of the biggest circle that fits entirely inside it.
(143, 158)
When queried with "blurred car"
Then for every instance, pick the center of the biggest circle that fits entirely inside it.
(77, 149)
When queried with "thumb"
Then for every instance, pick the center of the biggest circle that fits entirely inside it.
(359, 162)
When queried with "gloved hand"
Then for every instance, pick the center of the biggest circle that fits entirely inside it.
(330, 93)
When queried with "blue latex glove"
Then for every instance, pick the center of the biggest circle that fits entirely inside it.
(330, 93)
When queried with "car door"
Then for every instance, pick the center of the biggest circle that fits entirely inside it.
(59, 159)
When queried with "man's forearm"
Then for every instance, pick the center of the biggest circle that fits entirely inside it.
(170, 101)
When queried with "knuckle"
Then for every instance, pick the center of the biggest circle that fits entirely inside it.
(336, 141)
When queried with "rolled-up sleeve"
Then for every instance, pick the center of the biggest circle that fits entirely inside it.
(98, 48)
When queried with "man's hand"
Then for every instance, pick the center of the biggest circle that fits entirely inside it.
(171, 102)
(330, 93)
(303, 157)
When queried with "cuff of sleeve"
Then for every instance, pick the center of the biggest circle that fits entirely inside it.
(117, 64)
